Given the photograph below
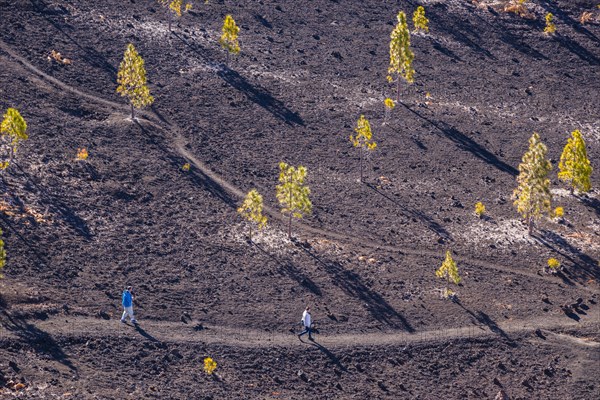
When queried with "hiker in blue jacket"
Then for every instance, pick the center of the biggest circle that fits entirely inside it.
(128, 305)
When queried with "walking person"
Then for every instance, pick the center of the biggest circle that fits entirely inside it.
(128, 305)
(307, 322)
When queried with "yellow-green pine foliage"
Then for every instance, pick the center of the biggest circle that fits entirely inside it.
(574, 166)
(401, 56)
(389, 103)
(132, 80)
(292, 193)
(449, 270)
(550, 28)
(2, 254)
(251, 209)
(420, 21)
(479, 209)
(532, 196)
(176, 7)
(553, 263)
(229, 38)
(363, 139)
(209, 365)
(559, 212)
(12, 130)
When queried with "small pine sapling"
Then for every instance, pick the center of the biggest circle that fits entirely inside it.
(251, 210)
(420, 22)
(389, 106)
(186, 167)
(82, 154)
(559, 212)
(532, 197)
(209, 365)
(479, 209)
(550, 27)
(574, 166)
(175, 7)
(401, 56)
(229, 38)
(2, 254)
(363, 140)
(292, 193)
(553, 266)
(449, 270)
(132, 80)
(13, 130)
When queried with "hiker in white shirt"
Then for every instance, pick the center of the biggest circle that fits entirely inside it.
(306, 321)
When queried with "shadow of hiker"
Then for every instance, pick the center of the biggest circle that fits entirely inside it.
(466, 143)
(145, 334)
(584, 266)
(196, 176)
(485, 319)
(291, 271)
(429, 222)
(334, 359)
(260, 96)
(351, 283)
(41, 342)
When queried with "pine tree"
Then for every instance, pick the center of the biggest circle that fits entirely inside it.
(401, 56)
(449, 270)
(574, 166)
(363, 140)
(533, 196)
(176, 7)
(251, 210)
(550, 27)
(292, 193)
(132, 80)
(420, 21)
(229, 38)
(12, 130)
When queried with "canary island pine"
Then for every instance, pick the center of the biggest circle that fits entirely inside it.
(574, 166)
(479, 209)
(401, 56)
(132, 80)
(550, 27)
(420, 20)
(229, 38)
(209, 365)
(175, 7)
(532, 196)
(251, 210)
(559, 212)
(292, 193)
(2, 254)
(363, 140)
(449, 271)
(13, 130)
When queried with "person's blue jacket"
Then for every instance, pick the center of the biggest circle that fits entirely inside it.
(127, 301)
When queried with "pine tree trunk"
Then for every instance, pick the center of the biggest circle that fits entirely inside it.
(361, 165)
(290, 227)
(530, 225)
(398, 90)
(227, 62)
(170, 20)
(132, 112)
(250, 234)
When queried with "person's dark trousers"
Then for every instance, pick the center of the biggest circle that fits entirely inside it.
(306, 330)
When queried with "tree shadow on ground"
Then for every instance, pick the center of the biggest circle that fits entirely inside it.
(91, 55)
(289, 269)
(466, 143)
(7, 223)
(197, 177)
(254, 93)
(427, 220)
(41, 342)
(584, 266)
(55, 205)
(485, 319)
(352, 284)
(591, 202)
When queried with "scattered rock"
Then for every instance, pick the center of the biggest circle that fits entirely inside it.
(501, 396)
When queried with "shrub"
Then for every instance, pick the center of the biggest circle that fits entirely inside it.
(559, 212)
(82, 154)
(229, 38)
(449, 270)
(532, 196)
(518, 7)
(363, 139)
(132, 80)
(420, 21)
(209, 365)
(479, 209)
(401, 56)
(292, 193)
(186, 167)
(574, 166)
(550, 27)
(251, 210)
(13, 130)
